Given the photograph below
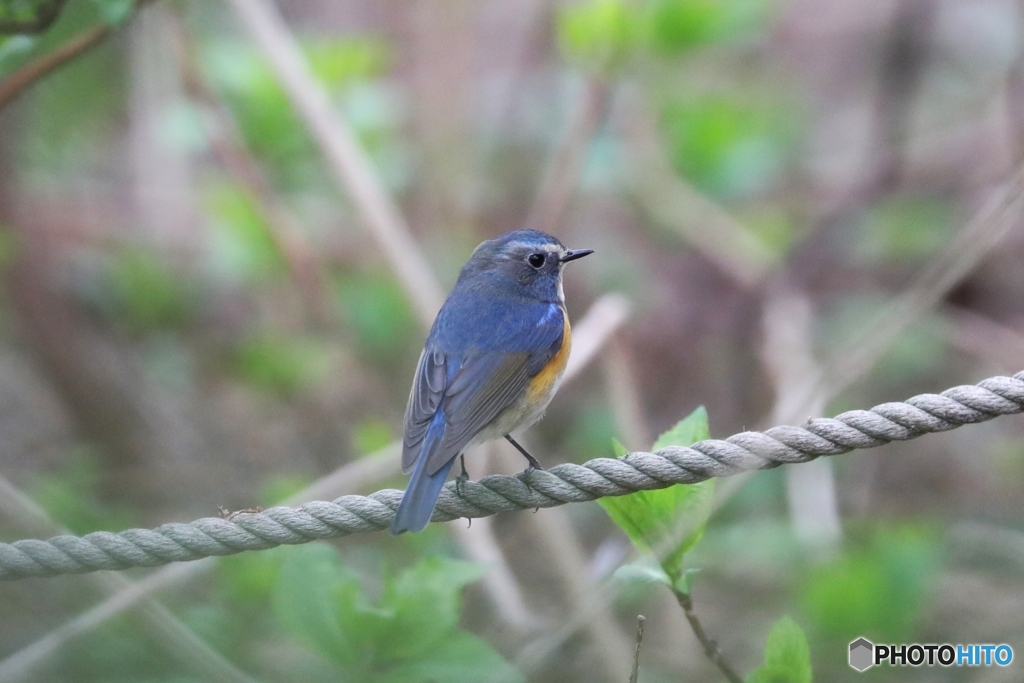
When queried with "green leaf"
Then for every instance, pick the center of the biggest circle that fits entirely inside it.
(249, 578)
(618, 448)
(685, 582)
(459, 658)
(14, 47)
(787, 659)
(377, 309)
(321, 604)
(687, 431)
(426, 603)
(147, 293)
(668, 522)
(730, 146)
(678, 25)
(877, 590)
(599, 34)
(114, 11)
(281, 364)
(642, 572)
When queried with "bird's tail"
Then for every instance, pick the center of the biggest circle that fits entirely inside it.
(417, 506)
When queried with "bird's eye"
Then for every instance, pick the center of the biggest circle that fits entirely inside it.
(536, 260)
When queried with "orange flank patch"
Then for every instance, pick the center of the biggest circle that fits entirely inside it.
(545, 380)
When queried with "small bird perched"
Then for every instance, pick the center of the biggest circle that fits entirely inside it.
(492, 361)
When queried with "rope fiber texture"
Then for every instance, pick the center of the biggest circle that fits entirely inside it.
(564, 483)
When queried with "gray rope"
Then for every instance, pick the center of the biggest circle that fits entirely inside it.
(565, 483)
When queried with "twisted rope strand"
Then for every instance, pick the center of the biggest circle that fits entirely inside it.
(565, 483)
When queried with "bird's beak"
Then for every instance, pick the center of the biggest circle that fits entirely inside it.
(574, 254)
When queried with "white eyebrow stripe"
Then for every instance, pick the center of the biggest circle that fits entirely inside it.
(517, 245)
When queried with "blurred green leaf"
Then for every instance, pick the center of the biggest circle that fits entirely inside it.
(321, 604)
(642, 571)
(876, 590)
(678, 25)
(148, 295)
(591, 429)
(282, 486)
(459, 658)
(71, 495)
(377, 309)
(264, 114)
(370, 435)
(667, 522)
(787, 659)
(244, 246)
(909, 229)
(281, 364)
(13, 47)
(686, 432)
(249, 578)
(31, 11)
(598, 34)
(725, 145)
(684, 583)
(411, 634)
(424, 600)
(115, 11)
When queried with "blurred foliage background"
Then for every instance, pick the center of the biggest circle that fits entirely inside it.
(795, 197)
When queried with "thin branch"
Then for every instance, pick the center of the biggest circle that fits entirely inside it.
(998, 216)
(670, 200)
(788, 355)
(21, 78)
(636, 653)
(231, 152)
(563, 173)
(174, 635)
(344, 155)
(711, 648)
(24, 76)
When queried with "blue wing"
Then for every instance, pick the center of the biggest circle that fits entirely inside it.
(465, 379)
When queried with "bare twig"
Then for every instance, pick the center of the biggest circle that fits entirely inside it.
(567, 555)
(21, 78)
(343, 153)
(788, 355)
(624, 394)
(232, 153)
(178, 638)
(711, 648)
(1000, 214)
(636, 653)
(997, 343)
(563, 172)
(704, 224)
(24, 76)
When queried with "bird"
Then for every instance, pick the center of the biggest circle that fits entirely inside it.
(491, 363)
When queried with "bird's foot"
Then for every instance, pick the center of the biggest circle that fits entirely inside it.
(534, 464)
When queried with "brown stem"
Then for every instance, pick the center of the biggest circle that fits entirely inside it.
(231, 151)
(564, 171)
(636, 653)
(24, 76)
(710, 646)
